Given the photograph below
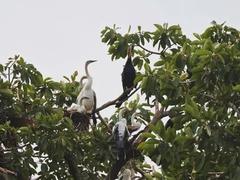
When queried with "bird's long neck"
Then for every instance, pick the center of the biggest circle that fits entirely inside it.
(129, 54)
(86, 70)
(129, 60)
(81, 80)
(88, 84)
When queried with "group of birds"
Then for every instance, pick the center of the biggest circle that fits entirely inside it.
(86, 104)
(86, 100)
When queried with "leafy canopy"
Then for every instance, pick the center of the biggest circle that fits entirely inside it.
(196, 82)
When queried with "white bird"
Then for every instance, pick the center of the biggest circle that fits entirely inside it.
(121, 133)
(76, 107)
(87, 97)
(134, 123)
(126, 175)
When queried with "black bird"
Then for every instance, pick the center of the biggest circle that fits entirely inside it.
(128, 76)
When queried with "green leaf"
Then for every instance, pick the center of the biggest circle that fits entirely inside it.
(138, 78)
(147, 68)
(197, 36)
(157, 175)
(163, 41)
(147, 135)
(208, 130)
(139, 28)
(6, 92)
(191, 107)
(236, 88)
(208, 45)
(159, 63)
(201, 163)
(170, 134)
(159, 27)
(180, 61)
(155, 41)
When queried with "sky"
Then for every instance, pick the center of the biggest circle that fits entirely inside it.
(58, 36)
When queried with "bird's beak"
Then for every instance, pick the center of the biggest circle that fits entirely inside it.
(92, 61)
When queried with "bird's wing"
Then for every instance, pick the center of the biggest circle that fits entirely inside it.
(94, 108)
(82, 98)
(124, 85)
(114, 128)
(95, 101)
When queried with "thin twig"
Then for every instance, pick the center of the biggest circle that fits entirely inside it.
(215, 173)
(159, 114)
(105, 124)
(6, 171)
(151, 52)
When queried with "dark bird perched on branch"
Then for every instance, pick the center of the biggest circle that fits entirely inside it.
(128, 76)
(121, 134)
(86, 100)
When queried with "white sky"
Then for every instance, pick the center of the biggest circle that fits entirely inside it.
(58, 36)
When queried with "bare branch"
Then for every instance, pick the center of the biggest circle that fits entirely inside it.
(113, 102)
(6, 171)
(151, 52)
(159, 114)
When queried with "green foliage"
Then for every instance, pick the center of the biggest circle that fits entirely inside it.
(33, 127)
(197, 82)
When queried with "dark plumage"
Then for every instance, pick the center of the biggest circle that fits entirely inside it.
(128, 76)
(129, 73)
(169, 124)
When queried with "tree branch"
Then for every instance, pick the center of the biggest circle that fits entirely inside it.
(105, 124)
(113, 102)
(132, 151)
(151, 52)
(6, 171)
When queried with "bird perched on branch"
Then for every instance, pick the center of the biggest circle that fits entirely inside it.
(128, 76)
(87, 97)
(121, 134)
(86, 100)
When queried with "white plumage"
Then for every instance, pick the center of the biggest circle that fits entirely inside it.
(121, 134)
(126, 174)
(87, 98)
(134, 123)
(120, 130)
(74, 108)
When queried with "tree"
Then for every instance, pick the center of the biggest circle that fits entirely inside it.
(193, 84)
